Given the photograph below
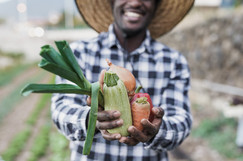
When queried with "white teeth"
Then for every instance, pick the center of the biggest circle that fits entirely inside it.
(132, 14)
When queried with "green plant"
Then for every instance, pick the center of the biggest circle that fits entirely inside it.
(17, 56)
(66, 66)
(41, 143)
(16, 145)
(2, 21)
(237, 3)
(8, 74)
(41, 104)
(19, 141)
(9, 101)
(220, 133)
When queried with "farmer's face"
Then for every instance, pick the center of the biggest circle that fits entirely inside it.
(132, 16)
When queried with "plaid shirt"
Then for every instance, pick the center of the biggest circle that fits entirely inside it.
(162, 72)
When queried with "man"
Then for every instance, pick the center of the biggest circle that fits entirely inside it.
(163, 73)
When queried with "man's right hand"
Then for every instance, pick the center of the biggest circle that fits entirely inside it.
(108, 119)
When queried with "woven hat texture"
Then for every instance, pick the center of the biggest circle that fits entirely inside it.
(98, 15)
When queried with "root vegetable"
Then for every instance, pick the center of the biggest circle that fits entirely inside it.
(125, 75)
(140, 110)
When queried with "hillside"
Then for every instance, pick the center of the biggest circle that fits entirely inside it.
(212, 47)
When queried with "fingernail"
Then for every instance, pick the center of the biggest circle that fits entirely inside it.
(118, 136)
(122, 140)
(131, 129)
(116, 114)
(157, 111)
(143, 121)
(119, 122)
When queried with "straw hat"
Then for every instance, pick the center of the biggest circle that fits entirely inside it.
(98, 15)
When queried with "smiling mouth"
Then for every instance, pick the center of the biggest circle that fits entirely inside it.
(133, 15)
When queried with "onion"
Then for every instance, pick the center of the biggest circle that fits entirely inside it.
(125, 75)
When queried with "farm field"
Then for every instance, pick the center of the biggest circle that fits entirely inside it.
(28, 134)
(26, 129)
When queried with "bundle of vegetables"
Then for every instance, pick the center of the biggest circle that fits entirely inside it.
(115, 94)
(134, 107)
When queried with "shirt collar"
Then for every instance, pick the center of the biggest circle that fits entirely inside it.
(144, 47)
(112, 40)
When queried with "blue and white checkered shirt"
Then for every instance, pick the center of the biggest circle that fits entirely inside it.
(162, 72)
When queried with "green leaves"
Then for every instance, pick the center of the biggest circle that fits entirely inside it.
(69, 58)
(54, 88)
(65, 65)
(61, 71)
(51, 55)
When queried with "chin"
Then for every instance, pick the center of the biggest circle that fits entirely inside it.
(132, 32)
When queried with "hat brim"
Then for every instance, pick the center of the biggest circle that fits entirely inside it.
(98, 15)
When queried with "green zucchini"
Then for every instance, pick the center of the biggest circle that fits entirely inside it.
(116, 98)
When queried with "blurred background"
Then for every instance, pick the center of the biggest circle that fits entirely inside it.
(211, 38)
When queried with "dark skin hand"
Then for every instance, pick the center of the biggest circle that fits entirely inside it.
(111, 119)
(149, 131)
(107, 120)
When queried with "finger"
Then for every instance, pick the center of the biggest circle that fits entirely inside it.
(139, 135)
(158, 112)
(105, 125)
(129, 141)
(101, 78)
(100, 108)
(149, 128)
(108, 115)
(88, 100)
(158, 115)
(108, 136)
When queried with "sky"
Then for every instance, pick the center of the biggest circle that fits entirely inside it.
(36, 9)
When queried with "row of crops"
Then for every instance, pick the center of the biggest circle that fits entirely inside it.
(39, 139)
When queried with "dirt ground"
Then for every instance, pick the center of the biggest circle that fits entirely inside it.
(14, 122)
(196, 149)
(192, 149)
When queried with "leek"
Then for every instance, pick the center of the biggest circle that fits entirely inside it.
(92, 118)
(66, 66)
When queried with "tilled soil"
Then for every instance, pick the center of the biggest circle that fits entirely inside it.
(25, 154)
(196, 149)
(6, 90)
(15, 120)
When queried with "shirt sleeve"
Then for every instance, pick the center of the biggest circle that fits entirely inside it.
(177, 120)
(69, 111)
(69, 114)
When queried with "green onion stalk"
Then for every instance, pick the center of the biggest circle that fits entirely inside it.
(65, 65)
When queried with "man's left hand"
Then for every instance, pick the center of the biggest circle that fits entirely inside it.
(150, 129)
